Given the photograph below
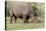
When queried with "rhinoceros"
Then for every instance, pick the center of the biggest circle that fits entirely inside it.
(21, 10)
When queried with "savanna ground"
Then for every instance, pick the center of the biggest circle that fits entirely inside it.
(20, 25)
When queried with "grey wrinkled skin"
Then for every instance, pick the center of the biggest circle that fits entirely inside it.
(21, 10)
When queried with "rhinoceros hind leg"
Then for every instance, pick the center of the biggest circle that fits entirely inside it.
(11, 19)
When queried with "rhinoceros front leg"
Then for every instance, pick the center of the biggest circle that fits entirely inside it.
(25, 19)
(35, 19)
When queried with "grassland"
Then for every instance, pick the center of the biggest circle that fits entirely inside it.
(21, 25)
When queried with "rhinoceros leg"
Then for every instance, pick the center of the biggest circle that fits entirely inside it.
(35, 19)
(15, 18)
(11, 19)
(25, 19)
